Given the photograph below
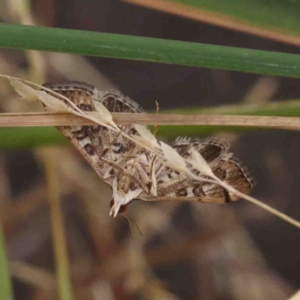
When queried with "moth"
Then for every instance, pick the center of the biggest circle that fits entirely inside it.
(136, 173)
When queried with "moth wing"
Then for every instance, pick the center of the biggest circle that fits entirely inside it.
(173, 185)
(96, 142)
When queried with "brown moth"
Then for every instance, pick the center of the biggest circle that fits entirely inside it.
(136, 173)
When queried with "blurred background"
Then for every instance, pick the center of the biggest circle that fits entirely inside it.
(181, 250)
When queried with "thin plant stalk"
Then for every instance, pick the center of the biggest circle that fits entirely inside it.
(58, 119)
(5, 283)
(260, 204)
(58, 231)
(221, 14)
(163, 151)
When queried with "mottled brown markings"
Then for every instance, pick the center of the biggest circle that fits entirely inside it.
(73, 86)
(104, 151)
(114, 105)
(133, 186)
(149, 185)
(85, 107)
(182, 192)
(81, 134)
(198, 190)
(227, 169)
(119, 107)
(118, 151)
(96, 129)
(236, 177)
(211, 152)
(181, 149)
(186, 155)
(226, 196)
(119, 148)
(172, 173)
(133, 131)
(116, 102)
(220, 173)
(244, 171)
(89, 149)
(196, 172)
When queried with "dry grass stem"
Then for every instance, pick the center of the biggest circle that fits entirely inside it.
(33, 275)
(295, 296)
(55, 119)
(167, 154)
(202, 15)
(58, 230)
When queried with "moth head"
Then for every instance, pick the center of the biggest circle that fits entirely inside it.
(115, 210)
(121, 198)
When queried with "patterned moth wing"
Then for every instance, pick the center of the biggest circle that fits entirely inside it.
(172, 185)
(97, 143)
(136, 173)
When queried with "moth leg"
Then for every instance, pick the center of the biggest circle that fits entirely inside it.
(153, 189)
(107, 148)
(148, 178)
(146, 181)
(125, 172)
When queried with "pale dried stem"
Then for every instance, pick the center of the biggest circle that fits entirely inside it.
(217, 19)
(296, 296)
(33, 275)
(269, 122)
(58, 119)
(232, 190)
(58, 229)
(260, 204)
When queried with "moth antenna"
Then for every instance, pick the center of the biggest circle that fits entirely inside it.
(132, 221)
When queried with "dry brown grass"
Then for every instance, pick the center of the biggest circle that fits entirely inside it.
(54, 119)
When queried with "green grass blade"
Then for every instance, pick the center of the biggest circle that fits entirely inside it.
(5, 283)
(149, 49)
(15, 138)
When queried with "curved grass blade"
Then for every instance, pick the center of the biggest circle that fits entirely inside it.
(149, 49)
